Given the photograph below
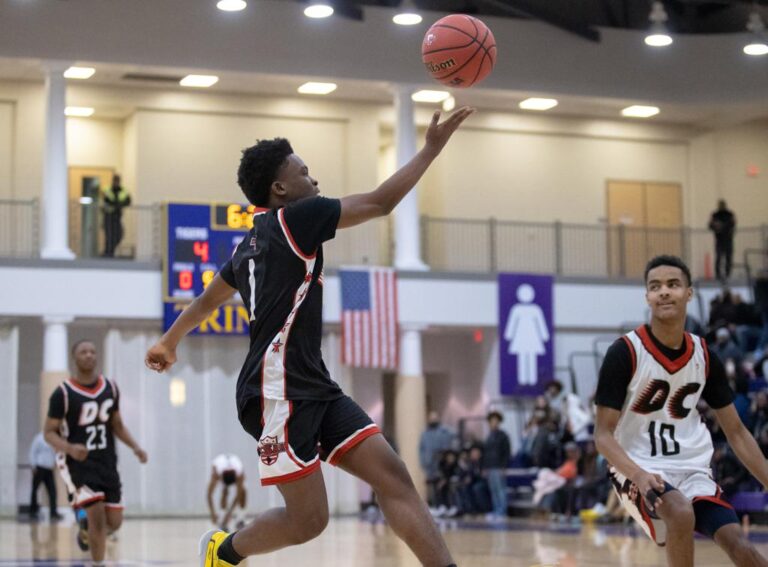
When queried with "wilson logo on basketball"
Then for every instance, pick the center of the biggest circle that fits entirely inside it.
(440, 65)
(270, 449)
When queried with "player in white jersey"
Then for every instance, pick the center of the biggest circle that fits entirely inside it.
(649, 430)
(227, 470)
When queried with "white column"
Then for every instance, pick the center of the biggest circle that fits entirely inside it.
(55, 343)
(407, 230)
(55, 217)
(410, 403)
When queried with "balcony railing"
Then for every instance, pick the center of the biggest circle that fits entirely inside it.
(19, 228)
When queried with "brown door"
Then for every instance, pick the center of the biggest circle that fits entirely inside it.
(86, 237)
(645, 220)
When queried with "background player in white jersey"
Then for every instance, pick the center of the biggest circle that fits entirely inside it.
(285, 396)
(83, 421)
(227, 471)
(649, 430)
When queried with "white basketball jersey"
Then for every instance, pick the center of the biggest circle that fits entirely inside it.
(224, 463)
(660, 427)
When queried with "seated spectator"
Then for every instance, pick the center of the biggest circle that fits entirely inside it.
(447, 484)
(726, 350)
(554, 490)
(538, 421)
(746, 324)
(435, 439)
(474, 494)
(546, 446)
(722, 311)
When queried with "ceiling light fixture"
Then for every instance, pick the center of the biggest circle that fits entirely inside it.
(199, 81)
(430, 96)
(317, 88)
(639, 111)
(449, 104)
(79, 111)
(231, 5)
(538, 103)
(79, 73)
(658, 35)
(758, 45)
(318, 10)
(407, 14)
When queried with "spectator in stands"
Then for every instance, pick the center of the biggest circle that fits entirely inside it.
(729, 473)
(473, 490)
(554, 490)
(595, 486)
(546, 444)
(759, 412)
(722, 311)
(723, 225)
(746, 324)
(726, 349)
(496, 454)
(116, 198)
(692, 325)
(538, 421)
(741, 401)
(447, 485)
(436, 439)
(555, 395)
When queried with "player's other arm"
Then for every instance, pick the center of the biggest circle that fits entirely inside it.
(162, 355)
(742, 443)
(356, 209)
(212, 482)
(121, 432)
(54, 439)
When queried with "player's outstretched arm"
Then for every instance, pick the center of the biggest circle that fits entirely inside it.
(121, 432)
(162, 355)
(356, 209)
(742, 443)
(606, 421)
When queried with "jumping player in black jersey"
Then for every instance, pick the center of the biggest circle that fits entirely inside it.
(649, 429)
(83, 421)
(285, 396)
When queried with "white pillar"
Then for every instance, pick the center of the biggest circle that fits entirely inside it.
(55, 217)
(410, 403)
(407, 229)
(55, 343)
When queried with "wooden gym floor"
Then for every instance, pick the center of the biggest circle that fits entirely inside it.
(351, 542)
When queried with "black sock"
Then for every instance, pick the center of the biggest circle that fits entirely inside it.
(228, 553)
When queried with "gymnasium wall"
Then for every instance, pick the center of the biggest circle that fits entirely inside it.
(184, 145)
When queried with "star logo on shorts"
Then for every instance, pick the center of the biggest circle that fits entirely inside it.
(276, 346)
(270, 449)
(308, 277)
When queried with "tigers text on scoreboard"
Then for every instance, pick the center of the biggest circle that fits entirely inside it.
(200, 238)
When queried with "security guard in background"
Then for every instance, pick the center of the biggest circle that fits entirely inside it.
(115, 200)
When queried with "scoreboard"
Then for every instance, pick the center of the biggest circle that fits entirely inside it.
(199, 240)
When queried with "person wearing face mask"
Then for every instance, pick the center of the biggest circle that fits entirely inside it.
(435, 440)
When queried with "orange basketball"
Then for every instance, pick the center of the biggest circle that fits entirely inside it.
(459, 51)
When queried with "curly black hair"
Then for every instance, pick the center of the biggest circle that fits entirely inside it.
(258, 168)
(668, 260)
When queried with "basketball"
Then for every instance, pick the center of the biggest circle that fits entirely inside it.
(459, 51)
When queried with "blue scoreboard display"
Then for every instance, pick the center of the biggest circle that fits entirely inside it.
(199, 241)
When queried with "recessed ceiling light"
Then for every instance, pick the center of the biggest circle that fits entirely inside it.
(407, 19)
(317, 88)
(199, 81)
(79, 72)
(658, 40)
(639, 111)
(231, 5)
(430, 96)
(81, 111)
(534, 103)
(756, 48)
(318, 10)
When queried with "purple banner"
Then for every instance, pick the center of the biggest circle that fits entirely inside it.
(527, 361)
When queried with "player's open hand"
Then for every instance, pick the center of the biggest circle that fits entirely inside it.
(439, 133)
(141, 454)
(78, 452)
(160, 357)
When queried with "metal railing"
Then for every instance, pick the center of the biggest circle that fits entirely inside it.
(490, 245)
(19, 228)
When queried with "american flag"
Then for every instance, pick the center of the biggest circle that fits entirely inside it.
(369, 317)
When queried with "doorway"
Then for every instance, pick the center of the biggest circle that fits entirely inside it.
(85, 189)
(645, 220)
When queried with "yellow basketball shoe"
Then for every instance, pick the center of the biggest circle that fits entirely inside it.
(208, 549)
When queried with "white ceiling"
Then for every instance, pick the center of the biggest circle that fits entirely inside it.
(271, 48)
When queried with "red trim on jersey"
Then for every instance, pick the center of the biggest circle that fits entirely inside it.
(714, 499)
(295, 247)
(706, 357)
(632, 353)
(671, 366)
(291, 476)
(647, 519)
(90, 391)
(97, 498)
(349, 445)
(260, 210)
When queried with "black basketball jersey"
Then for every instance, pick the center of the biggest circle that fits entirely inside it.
(86, 414)
(278, 270)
